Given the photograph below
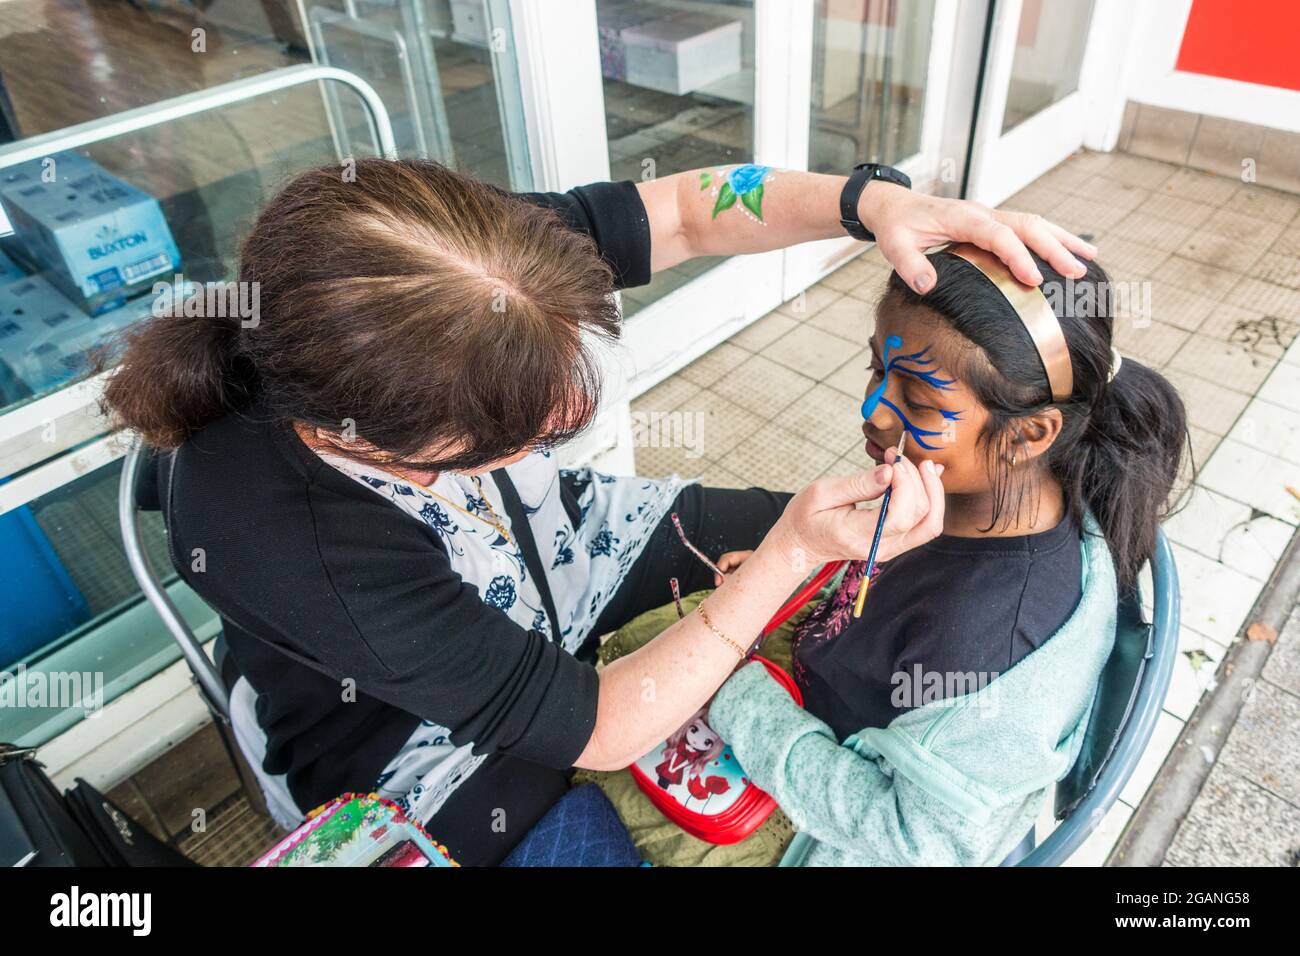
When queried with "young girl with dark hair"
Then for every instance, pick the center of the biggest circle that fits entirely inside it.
(934, 723)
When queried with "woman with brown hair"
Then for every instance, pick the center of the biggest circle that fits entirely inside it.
(360, 479)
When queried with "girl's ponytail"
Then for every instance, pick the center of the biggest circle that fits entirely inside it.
(175, 374)
(1127, 461)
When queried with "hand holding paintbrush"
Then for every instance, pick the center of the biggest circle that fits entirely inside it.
(875, 539)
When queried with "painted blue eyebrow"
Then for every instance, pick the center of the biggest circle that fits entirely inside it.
(929, 376)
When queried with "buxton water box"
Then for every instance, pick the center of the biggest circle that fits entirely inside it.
(99, 239)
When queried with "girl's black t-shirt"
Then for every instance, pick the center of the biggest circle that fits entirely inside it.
(939, 621)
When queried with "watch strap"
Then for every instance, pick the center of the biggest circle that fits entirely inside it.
(862, 174)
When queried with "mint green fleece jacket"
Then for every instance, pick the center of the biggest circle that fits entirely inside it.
(956, 782)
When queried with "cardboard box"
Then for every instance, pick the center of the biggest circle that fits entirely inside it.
(469, 22)
(99, 239)
(683, 52)
(45, 338)
(611, 20)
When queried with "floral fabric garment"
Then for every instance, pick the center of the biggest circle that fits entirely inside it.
(584, 564)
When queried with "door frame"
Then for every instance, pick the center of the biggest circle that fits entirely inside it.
(559, 63)
(807, 263)
(1002, 164)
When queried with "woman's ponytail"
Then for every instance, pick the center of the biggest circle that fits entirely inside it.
(174, 374)
(1127, 461)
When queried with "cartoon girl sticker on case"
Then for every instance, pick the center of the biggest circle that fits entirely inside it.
(687, 754)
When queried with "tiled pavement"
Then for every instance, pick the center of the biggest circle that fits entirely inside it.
(1220, 260)
(1248, 812)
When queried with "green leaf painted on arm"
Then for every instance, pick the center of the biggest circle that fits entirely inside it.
(753, 201)
(706, 180)
(726, 199)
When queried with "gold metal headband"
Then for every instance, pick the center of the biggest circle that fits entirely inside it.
(1035, 313)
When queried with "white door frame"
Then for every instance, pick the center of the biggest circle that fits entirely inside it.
(564, 109)
(807, 263)
(1002, 164)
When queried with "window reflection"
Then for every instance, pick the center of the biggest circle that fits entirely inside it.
(1049, 55)
(870, 59)
(679, 94)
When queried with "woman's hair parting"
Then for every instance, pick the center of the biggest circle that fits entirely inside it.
(420, 308)
(1121, 442)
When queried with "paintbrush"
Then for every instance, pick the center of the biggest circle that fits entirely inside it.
(875, 539)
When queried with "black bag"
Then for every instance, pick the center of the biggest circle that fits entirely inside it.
(41, 827)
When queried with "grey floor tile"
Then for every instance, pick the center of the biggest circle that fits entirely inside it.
(1263, 203)
(1264, 745)
(763, 386)
(809, 302)
(1236, 823)
(1209, 406)
(1218, 250)
(852, 377)
(1200, 186)
(714, 364)
(827, 417)
(1259, 334)
(1279, 269)
(1125, 260)
(850, 318)
(723, 423)
(759, 335)
(1225, 362)
(810, 351)
(776, 458)
(195, 775)
(1199, 277)
(667, 395)
(236, 836)
(1186, 212)
(850, 278)
(1149, 230)
(1152, 343)
(1283, 665)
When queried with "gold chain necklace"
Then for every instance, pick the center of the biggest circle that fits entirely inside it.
(494, 521)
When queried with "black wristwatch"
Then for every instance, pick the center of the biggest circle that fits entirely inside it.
(862, 174)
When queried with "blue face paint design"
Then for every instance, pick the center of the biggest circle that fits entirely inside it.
(915, 359)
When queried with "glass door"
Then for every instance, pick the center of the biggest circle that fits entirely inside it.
(681, 89)
(141, 153)
(655, 87)
(1041, 75)
(870, 83)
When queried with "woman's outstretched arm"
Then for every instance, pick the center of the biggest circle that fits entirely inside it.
(651, 692)
(730, 210)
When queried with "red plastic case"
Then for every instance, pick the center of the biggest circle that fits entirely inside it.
(688, 773)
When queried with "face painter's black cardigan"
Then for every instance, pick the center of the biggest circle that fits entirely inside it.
(319, 580)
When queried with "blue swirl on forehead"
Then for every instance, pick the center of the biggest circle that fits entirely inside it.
(873, 399)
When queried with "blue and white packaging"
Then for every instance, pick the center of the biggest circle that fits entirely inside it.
(97, 238)
(46, 339)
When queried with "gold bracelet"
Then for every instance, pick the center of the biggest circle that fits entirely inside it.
(722, 637)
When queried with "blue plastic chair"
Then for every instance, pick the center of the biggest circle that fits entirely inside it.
(1130, 694)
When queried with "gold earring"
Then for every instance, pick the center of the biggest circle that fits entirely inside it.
(1013, 458)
